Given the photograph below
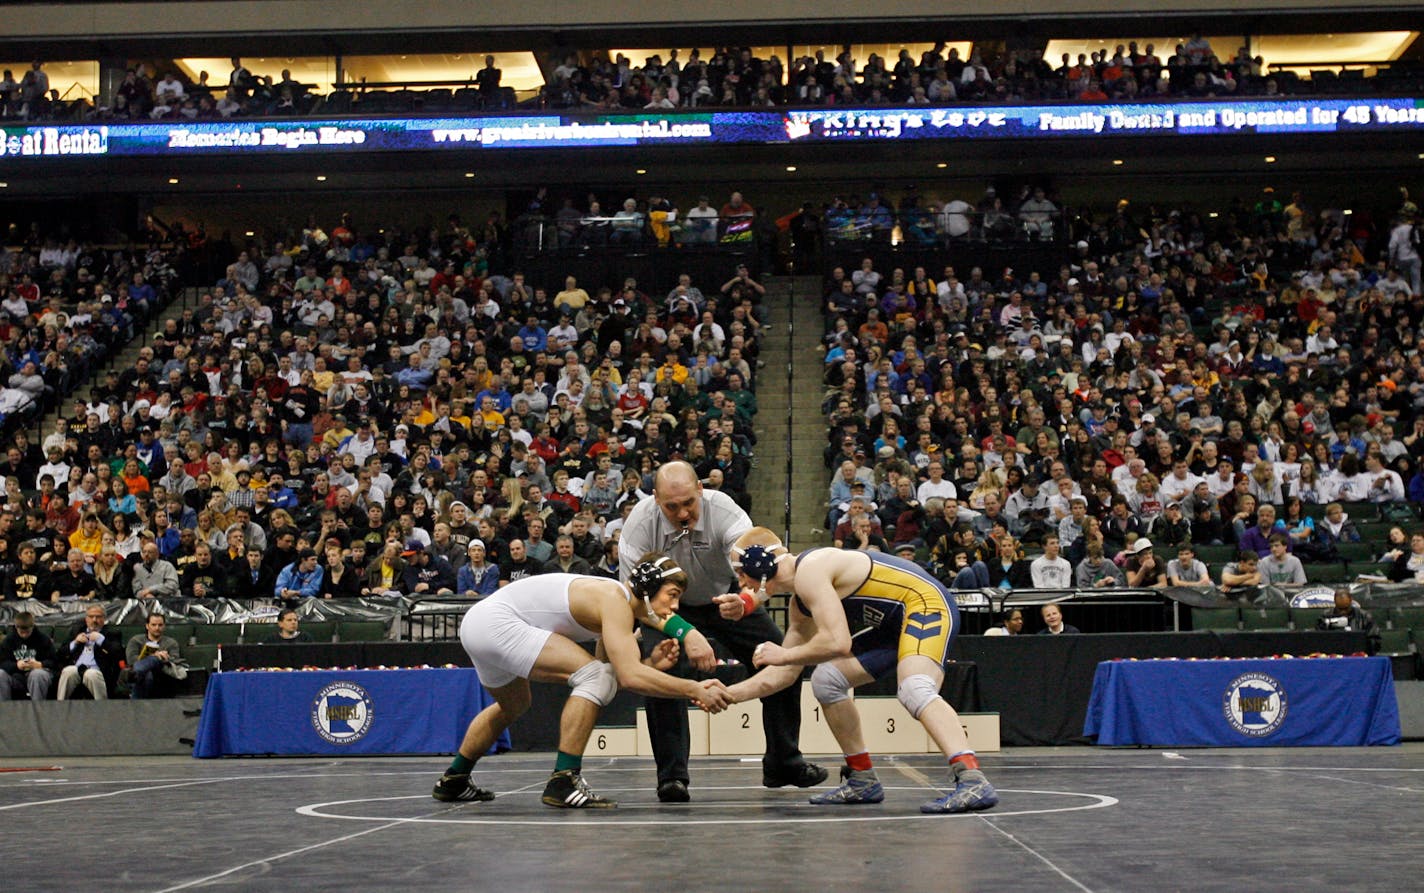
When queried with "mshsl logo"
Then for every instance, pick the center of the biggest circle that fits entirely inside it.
(342, 713)
(1254, 704)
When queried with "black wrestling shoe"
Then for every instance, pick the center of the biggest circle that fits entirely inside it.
(453, 788)
(801, 775)
(568, 790)
(673, 791)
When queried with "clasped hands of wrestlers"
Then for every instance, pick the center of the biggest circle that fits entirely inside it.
(716, 697)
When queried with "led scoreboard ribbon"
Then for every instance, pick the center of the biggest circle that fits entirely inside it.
(821, 125)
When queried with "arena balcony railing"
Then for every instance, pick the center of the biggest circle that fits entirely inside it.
(656, 247)
(848, 228)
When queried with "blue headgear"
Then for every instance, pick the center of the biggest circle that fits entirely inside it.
(757, 562)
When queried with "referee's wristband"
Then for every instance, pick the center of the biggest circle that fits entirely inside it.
(749, 602)
(677, 628)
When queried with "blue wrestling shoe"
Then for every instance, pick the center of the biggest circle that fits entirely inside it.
(972, 793)
(859, 787)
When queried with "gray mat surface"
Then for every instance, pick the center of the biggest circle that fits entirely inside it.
(1070, 819)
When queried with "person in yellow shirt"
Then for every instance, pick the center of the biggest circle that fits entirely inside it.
(672, 369)
(609, 371)
(662, 217)
(384, 573)
(459, 415)
(338, 432)
(480, 377)
(222, 477)
(89, 537)
(492, 416)
(323, 378)
(1204, 377)
(572, 299)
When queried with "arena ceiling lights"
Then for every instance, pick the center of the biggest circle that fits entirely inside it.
(520, 70)
(73, 80)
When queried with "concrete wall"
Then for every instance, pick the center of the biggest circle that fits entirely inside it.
(98, 728)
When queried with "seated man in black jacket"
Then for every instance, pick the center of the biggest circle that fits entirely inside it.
(90, 656)
(202, 578)
(1347, 615)
(74, 582)
(27, 659)
(287, 630)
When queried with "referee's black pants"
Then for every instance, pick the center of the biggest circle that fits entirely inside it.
(781, 712)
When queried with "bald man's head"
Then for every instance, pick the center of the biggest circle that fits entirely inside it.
(674, 473)
(678, 493)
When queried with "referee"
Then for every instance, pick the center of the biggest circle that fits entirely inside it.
(697, 528)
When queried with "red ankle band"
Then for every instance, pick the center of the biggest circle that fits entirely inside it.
(859, 762)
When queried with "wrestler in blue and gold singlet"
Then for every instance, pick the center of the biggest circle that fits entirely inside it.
(899, 610)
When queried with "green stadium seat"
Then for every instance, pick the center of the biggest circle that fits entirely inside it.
(1216, 618)
(1330, 573)
(1361, 512)
(1265, 618)
(1375, 532)
(128, 631)
(217, 633)
(319, 630)
(361, 630)
(1304, 618)
(1394, 641)
(1217, 555)
(183, 632)
(201, 657)
(1406, 618)
(1357, 552)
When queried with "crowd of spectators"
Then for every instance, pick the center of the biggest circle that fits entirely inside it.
(733, 76)
(66, 305)
(145, 94)
(353, 411)
(1183, 384)
(374, 412)
(727, 77)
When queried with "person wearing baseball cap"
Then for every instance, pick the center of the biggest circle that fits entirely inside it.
(906, 550)
(1171, 528)
(426, 573)
(1143, 570)
(477, 578)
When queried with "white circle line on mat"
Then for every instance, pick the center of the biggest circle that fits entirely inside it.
(490, 814)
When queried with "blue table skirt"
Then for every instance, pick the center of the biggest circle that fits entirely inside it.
(340, 713)
(1346, 701)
